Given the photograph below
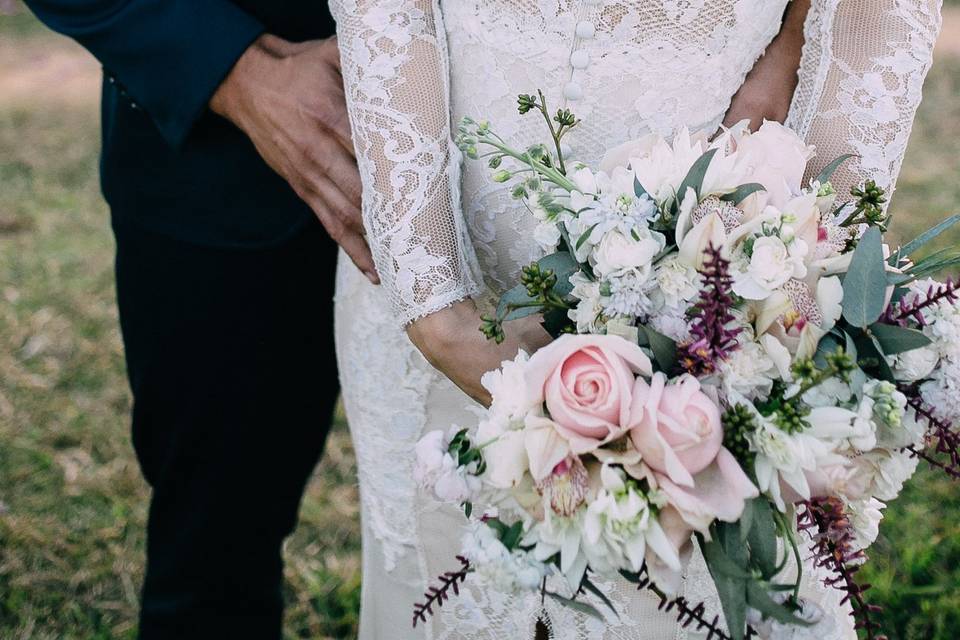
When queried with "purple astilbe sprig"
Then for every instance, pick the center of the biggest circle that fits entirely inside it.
(903, 311)
(833, 535)
(449, 581)
(943, 438)
(688, 614)
(711, 340)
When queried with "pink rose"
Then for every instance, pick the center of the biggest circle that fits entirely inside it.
(587, 384)
(675, 427)
(719, 492)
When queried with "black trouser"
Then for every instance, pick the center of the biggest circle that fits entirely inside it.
(231, 362)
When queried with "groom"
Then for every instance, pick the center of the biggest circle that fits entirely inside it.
(228, 167)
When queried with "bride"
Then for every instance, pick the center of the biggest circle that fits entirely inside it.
(447, 240)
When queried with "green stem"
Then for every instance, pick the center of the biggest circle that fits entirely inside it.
(553, 132)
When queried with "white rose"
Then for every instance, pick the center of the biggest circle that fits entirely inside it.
(617, 251)
(776, 157)
(771, 265)
(915, 364)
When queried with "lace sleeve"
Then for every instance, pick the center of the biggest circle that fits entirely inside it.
(861, 76)
(394, 60)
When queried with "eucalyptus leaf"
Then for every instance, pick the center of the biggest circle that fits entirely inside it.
(894, 339)
(828, 345)
(741, 193)
(576, 605)
(555, 321)
(516, 296)
(563, 265)
(865, 284)
(911, 247)
(831, 168)
(696, 174)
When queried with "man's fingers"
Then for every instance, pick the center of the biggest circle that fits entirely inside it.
(344, 208)
(352, 242)
(340, 167)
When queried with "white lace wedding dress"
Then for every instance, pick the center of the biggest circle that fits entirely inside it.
(441, 230)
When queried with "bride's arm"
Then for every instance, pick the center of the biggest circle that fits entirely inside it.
(396, 79)
(860, 82)
(768, 88)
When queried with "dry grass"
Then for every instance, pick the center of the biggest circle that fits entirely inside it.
(72, 503)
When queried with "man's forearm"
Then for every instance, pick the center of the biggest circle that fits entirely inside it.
(169, 55)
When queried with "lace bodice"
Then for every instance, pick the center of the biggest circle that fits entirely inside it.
(626, 67)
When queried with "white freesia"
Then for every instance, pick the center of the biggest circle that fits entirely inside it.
(619, 526)
(617, 251)
(707, 232)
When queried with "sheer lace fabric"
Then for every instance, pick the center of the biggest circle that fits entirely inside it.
(439, 233)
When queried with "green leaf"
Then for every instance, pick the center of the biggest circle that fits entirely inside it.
(938, 261)
(746, 520)
(870, 356)
(740, 194)
(696, 174)
(664, 349)
(592, 588)
(759, 599)
(467, 509)
(828, 344)
(829, 170)
(638, 189)
(586, 235)
(732, 591)
(865, 283)
(763, 538)
(555, 321)
(576, 605)
(911, 247)
(894, 339)
(511, 538)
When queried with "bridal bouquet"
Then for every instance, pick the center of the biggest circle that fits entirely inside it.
(739, 359)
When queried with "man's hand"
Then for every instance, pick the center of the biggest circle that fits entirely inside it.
(768, 89)
(288, 98)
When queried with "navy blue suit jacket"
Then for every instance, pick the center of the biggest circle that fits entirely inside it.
(169, 164)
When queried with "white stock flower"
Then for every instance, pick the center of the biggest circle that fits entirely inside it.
(619, 526)
(547, 236)
(672, 323)
(865, 516)
(497, 566)
(678, 283)
(627, 293)
(883, 472)
(770, 266)
(915, 364)
(942, 390)
(617, 251)
(748, 370)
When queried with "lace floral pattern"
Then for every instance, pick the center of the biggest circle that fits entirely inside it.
(628, 67)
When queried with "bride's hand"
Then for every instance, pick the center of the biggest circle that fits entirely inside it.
(451, 341)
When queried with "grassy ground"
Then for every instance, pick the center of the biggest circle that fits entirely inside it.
(72, 503)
